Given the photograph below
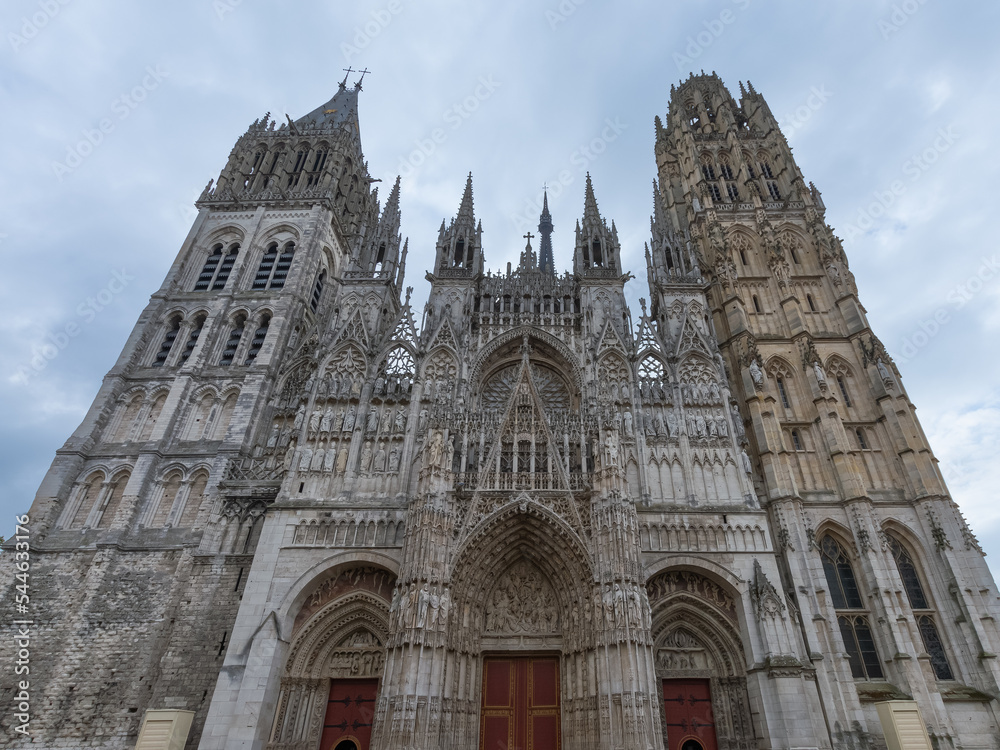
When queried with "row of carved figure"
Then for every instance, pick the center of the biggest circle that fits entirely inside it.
(374, 459)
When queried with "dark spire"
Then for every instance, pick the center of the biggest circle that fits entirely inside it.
(545, 263)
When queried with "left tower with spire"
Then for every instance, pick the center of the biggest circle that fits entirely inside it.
(146, 525)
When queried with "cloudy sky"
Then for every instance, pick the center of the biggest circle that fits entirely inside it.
(115, 115)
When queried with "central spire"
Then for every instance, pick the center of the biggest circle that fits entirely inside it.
(545, 263)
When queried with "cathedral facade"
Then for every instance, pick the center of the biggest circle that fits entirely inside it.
(296, 518)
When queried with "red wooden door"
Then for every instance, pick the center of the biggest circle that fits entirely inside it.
(520, 704)
(688, 708)
(349, 713)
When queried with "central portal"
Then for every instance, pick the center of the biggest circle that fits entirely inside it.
(520, 703)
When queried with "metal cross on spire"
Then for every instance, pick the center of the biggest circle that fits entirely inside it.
(362, 72)
(347, 72)
(528, 237)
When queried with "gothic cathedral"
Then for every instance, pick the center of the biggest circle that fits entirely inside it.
(296, 519)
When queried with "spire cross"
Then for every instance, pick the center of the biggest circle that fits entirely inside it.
(363, 73)
(348, 72)
(528, 237)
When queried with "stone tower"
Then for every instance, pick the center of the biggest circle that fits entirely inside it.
(295, 518)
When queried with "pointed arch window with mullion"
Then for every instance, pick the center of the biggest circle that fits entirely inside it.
(852, 616)
(923, 613)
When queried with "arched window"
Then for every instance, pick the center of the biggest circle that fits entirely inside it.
(266, 267)
(105, 515)
(795, 258)
(809, 299)
(708, 171)
(782, 392)
(208, 270)
(843, 390)
(772, 189)
(852, 616)
(862, 443)
(273, 268)
(217, 268)
(297, 167)
(922, 610)
(284, 263)
(226, 268)
(459, 251)
(596, 253)
(318, 290)
(756, 302)
(233, 343)
(168, 495)
(88, 493)
(258, 340)
(199, 324)
(319, 162)
(796, 440)
(168, 341)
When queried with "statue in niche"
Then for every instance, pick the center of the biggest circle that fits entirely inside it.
(342, 460)
(305, 458)
(723, 425)
(661, 428)
(820, 375)
(330, 459)
(314, 423)
(366, 456)
(422, 420)
(272, 440)
(715, 392)
(379, 458)
(423, 602)
(745, 460)
(672, 423)
(394, 459)
(401, 420)
(372, 426)
(628, 423)
(326, 421)
(300, 416)
(289, 458)
(349, 419)
(650, 424)
(379, 386)
(338, 421)
(445, 608)
(434, 449)
(757, 375)
(317, 460)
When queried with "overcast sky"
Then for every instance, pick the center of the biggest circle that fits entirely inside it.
(115, 116)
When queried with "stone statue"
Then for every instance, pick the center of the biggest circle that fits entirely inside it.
(342, 460)
(272, 441)
(314, 423)
(379, 458)
(401, 420)
(379, 386)
(330, 459)
(305, 458)
(756, 375)
(422, 420)
(628, 423)
(326, 421)
(349, 419)
(745, 460)
(372, 421)
(434, 449)
(300, 416)
(672, 423)
(820, 375)
(394, 459)
(366, 456)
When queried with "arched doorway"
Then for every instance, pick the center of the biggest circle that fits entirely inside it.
(699, 663)
(335, 662)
